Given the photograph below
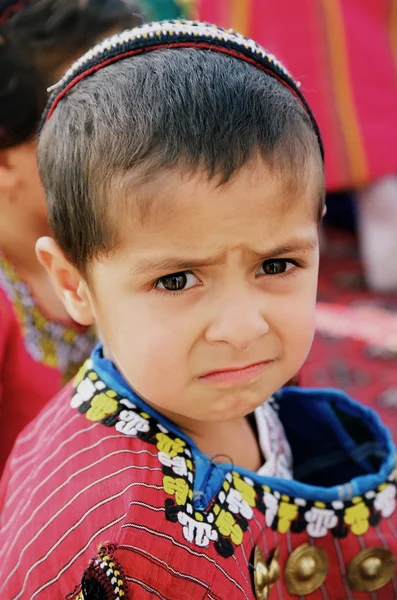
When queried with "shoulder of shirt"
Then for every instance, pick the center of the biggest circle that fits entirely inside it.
(63, 467)
(55, 441)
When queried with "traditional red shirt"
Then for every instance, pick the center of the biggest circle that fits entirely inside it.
(105, 498)
(37, 356)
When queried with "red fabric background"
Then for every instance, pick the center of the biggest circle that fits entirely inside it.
(344, 53)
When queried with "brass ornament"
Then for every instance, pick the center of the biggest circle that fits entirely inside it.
(305, 570)
(266, 573)
(371, 569)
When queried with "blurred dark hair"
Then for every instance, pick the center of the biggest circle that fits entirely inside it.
(37, 41)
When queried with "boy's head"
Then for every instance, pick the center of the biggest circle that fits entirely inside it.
(185, 189)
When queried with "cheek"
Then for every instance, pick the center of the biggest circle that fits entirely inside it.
(302, 336)
(32, 182)
(302, 342)
(295, 324)
(151, 352)
(37, 196)
(156, 368)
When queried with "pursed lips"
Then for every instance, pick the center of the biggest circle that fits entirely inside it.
(236, 374)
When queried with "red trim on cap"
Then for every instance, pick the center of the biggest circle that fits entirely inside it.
(199, 45)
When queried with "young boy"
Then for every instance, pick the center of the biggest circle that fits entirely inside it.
(184, 177)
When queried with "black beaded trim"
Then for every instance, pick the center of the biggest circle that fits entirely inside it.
(103, 579)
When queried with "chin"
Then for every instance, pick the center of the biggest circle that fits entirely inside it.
(238, 405)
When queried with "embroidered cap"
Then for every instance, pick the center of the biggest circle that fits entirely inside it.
(175, 34)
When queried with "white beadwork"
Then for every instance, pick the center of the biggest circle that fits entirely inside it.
(385, 501)
(320, 520)
(196, 531)
(131, 423)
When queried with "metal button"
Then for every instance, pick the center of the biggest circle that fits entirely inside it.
(266, 573)
(306, 570)
(371, 569)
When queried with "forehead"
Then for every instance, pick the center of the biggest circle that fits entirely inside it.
(191, 209)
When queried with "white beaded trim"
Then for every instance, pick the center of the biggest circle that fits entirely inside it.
(167, 28)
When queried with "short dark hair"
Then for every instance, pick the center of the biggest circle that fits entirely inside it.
(168, 109)
(36, 41)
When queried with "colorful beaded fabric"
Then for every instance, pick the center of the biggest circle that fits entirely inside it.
(227, 517)
(104, 578)
(52, 344)
(173, 35)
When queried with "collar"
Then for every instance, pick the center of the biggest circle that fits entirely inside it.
(331, 437)
(340, 448)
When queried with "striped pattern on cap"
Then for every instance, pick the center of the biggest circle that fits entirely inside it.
(174, 34)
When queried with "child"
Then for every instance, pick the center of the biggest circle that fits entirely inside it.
(185, 197)
(40, 347)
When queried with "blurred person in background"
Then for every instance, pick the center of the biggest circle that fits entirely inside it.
(168, 9)
(344, 52)
(40, 348)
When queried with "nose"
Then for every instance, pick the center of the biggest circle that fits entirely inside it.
(239, 322)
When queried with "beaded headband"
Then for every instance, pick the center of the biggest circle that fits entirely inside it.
(174, 34)
(8, 8)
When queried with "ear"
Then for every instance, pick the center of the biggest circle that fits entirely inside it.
(70, 286)
(324, 211)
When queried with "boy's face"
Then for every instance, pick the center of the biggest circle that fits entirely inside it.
(209, 306)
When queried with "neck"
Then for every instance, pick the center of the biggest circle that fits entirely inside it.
(231, 441)
(19, 232)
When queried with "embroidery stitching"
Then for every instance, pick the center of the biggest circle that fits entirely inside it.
(225, 520)
(53, 344)
(104, 578)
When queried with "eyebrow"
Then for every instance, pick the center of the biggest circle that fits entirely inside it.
(176, 264)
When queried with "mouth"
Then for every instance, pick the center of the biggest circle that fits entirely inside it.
(236, 374)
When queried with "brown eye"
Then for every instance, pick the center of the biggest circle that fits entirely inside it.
(277, 266)
(173, 283)
(274, 267)
(176, 282)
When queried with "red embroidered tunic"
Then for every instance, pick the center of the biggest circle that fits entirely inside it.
(37, 356)
(104, 498)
